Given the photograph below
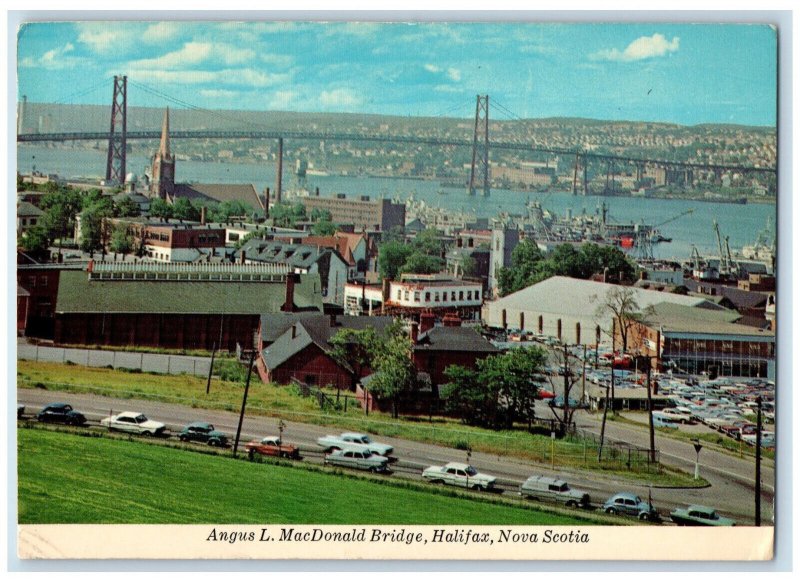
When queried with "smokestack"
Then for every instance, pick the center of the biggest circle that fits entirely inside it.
(202, 215)
(266, 202)
(288, 305)
(559, 329)
(578, 332)
(414, 332)
(316, 191)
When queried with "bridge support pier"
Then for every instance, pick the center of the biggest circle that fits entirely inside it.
(279, 171)
(117, 137)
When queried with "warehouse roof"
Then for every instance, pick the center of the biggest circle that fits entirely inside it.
(453, 339)
(581, 298)
(245, 193)
(682, 319)
(78, 294)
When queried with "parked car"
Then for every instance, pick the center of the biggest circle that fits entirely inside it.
(676, 415)
(630, 504)
(551, 489)
(272, 446)
(558, 402)
(348, 439)
(61, 413)
(699, 515)
(659, 421)
(134, 422)
(203, 432)
(461, 475)
(20, 411)
(358, 458)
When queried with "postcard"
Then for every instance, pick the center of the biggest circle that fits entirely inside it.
(396, 290)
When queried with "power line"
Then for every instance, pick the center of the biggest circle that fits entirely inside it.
(83, 92)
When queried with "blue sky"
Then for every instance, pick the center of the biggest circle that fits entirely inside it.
(679, 73)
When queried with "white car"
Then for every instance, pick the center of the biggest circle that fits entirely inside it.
(349, 439)
(676, 415)
(358, 458)
(461, 475)
(134, 422)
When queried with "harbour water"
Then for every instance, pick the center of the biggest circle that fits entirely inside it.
(741, 223)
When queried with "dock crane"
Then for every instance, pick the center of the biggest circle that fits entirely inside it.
(647, 236)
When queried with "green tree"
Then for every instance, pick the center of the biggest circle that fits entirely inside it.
(35, 241)
(323, 228)
(354, 350)
(394, 376)
(183, 209)
(526, 268)
(391, 257)
(500, 390)
(287, 215)
(126, 207)
(159, 208)
(428, 242)
(121, 241)
(422, 264)
(94, 233)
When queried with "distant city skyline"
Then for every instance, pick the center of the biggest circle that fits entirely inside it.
(659, 72)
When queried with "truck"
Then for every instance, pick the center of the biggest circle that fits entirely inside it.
(348, 439)
(272, 446)
(552, 489)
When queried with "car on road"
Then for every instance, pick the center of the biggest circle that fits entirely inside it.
(203, 432)
(20, 411)
(349, 439)
(361, 458)
(699, 515)
(630, 504)
(558, 402)
(134, 422)
(460, 475)
(553, 489)
(272, 446)
(61, 413)
(659, 421)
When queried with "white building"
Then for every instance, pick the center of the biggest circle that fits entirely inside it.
(571, 309)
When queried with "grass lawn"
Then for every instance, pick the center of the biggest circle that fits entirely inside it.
(286, 403)
(74, 478)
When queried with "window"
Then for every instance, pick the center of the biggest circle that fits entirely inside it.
(405, 295)
(399, 294)
(453, 296)
(43, 280)
(427, 296)
(469, 295)
(416, 296)
(461, 296)
(436, 296)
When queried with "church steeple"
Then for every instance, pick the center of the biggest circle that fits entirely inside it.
(163, 183)
(164, 149)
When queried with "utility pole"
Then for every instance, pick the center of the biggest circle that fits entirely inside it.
(758, 462)
(211, 367)
(244, 402)
(650, 413)
(613, 357)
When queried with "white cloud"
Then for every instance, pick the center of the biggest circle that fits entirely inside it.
(108, 37)
(57, 58)
(193, 53)
(446, 89)
(432, 68)
(161, 32)
(645, 47)
(218, 93)
(234, 77)
(340, 98)
(453, 74)
(283, 99)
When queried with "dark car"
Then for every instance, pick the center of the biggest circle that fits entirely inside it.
(62, 413)
(203, 432)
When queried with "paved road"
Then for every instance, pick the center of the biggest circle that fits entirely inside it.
(728, 494)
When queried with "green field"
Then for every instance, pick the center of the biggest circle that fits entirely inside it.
(75, 478)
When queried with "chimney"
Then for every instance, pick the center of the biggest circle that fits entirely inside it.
(578, 332)
(414, 332)
(386, 283)
(202, 215)
(294, 331)
(266, 202)
(288, 305)
(426, 321)
(316, 191)
(241, 257)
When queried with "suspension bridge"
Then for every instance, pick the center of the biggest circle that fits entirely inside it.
(118, 135)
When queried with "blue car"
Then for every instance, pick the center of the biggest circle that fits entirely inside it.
(632, 505)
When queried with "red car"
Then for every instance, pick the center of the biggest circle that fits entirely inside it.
(272, 446)
(544, 395)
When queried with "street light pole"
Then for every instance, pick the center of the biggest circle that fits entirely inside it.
(697, 447)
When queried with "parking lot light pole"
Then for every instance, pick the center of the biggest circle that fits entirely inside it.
(697, 447)
(758, 462)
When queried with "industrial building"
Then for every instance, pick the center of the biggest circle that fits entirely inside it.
(176, 306)
(361, 212)
(571, 310)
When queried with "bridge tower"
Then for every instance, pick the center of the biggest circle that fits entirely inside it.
(117, 137)
(479, 170)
